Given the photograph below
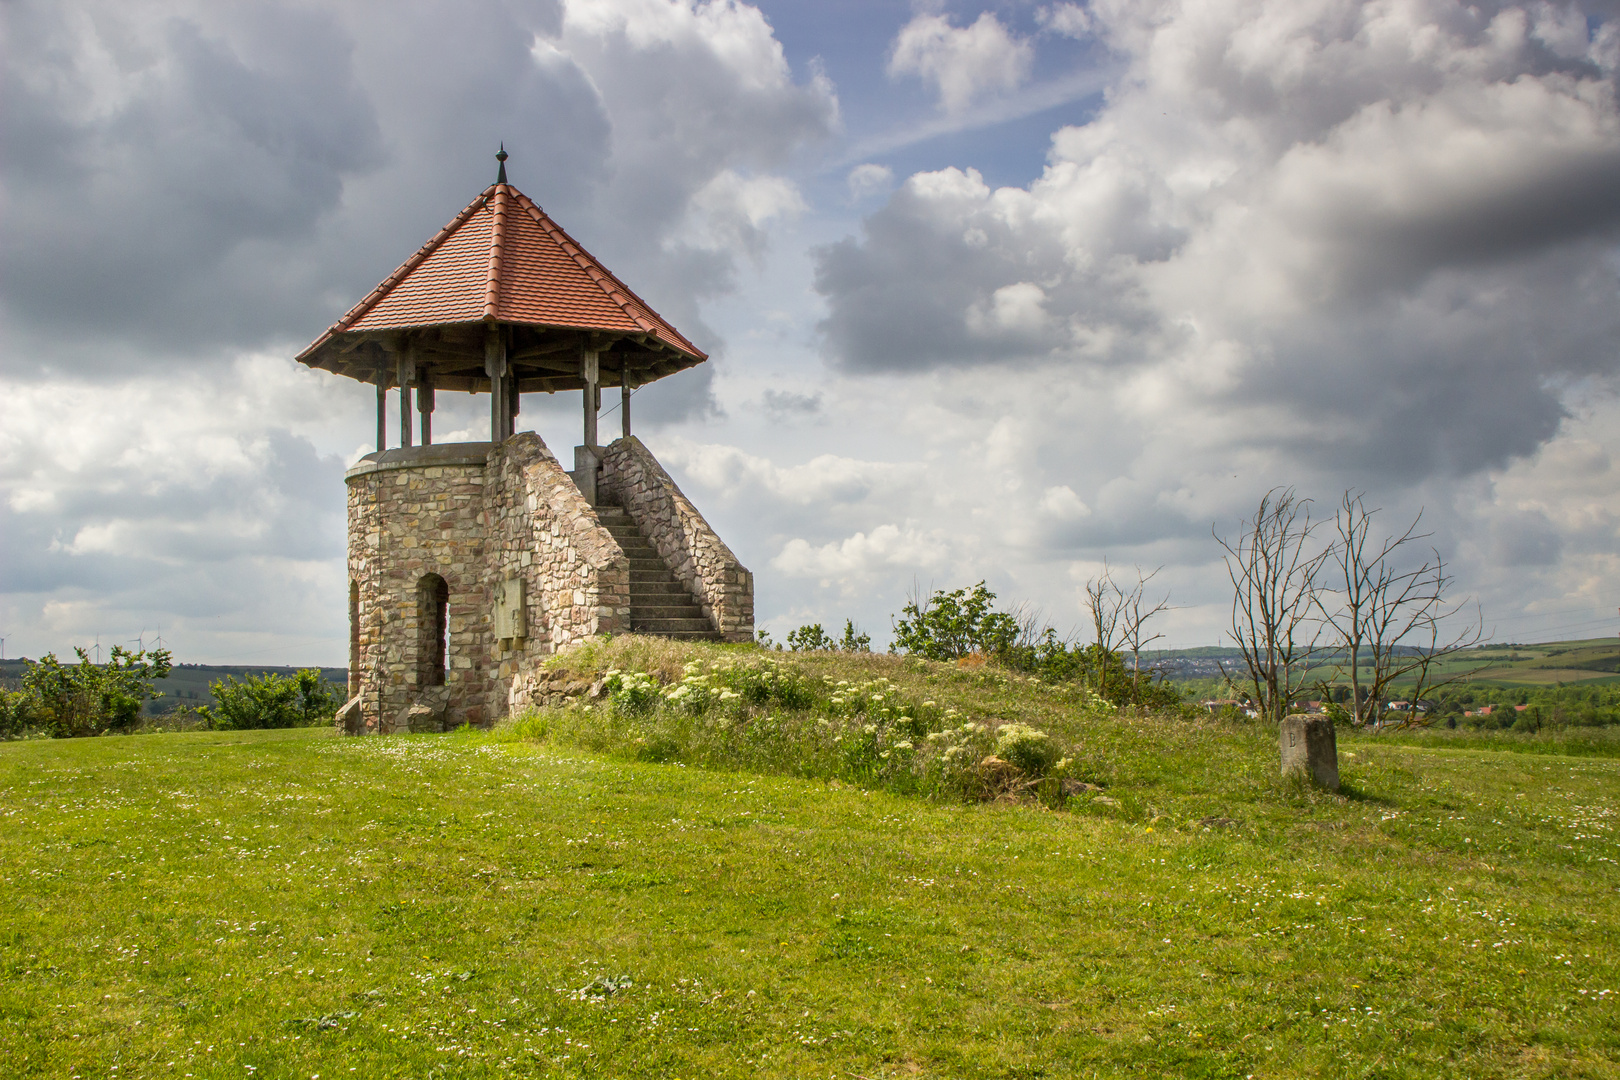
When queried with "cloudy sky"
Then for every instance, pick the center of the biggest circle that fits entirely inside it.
(992, 291)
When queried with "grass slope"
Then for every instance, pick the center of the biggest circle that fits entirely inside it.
(289, 904)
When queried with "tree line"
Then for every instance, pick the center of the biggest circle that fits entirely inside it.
(1322, 605)
(74, 700)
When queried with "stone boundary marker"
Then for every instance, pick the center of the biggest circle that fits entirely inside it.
(1309, 747)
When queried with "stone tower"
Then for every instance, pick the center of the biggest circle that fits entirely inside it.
(469, 563)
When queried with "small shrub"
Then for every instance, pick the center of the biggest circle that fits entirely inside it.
(809, 639)
(1029, 751)
(854, 641)
(766, 682)
(271, 700)
(951, 757)
(813, 638)
(16, 714)
(631, 694)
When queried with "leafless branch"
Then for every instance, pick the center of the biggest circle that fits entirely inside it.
(1134, 613)
(1274, 571)
(1385, 613)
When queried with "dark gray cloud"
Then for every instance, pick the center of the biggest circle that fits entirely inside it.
(185, 180)
(141, 162)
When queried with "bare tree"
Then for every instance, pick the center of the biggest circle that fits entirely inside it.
(1274, 581)
(1378, 604)
(1105, 604)
(1385, 616)
(1134, 612)
(1438, 642)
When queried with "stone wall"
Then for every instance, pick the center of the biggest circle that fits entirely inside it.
(476, 515)
(408, 517)
(547, 534)
(723, 587)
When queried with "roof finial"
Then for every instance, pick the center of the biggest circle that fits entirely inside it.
(500, 177)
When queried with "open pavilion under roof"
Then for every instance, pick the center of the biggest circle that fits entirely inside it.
(501, 301)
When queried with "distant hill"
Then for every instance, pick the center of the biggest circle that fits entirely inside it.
(1589, 661)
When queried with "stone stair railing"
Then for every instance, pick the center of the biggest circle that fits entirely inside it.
(723, 588)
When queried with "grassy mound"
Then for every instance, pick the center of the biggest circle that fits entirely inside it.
(906, 726)
(290, 904)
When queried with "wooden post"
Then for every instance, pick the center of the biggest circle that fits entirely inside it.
(405, 374)
(624, 399)
(382, 412)
(589, 372)
(512, 398)
(424, 405)
(500, 414)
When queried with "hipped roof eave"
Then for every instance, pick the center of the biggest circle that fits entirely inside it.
(697, 356)
(649, 324)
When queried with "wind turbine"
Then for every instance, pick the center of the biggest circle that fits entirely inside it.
(3, 634)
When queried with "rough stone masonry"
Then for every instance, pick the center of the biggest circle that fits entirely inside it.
(470, 563)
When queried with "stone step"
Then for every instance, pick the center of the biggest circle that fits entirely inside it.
(633, 551)
(670, 626)
(664, 611)
(650, 575)
(670, 587)
(682, 635)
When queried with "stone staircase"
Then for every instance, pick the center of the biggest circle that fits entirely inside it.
(659, 604)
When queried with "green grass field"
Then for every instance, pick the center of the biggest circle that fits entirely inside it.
(288, 904)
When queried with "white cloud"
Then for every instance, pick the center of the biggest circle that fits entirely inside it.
(867, 179)
(885, 552)
(1062, 503)
(961, 63)
(1015, 310)
(732, 213)
(1330, 245)
(212, 508)
(825, 479)
(1069, 20)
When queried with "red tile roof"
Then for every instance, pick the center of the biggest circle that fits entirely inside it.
(504, 260)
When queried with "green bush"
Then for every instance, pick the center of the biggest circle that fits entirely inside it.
(632, 693)
(854, 641)
(75, 700)
(950, 625)
(1032, 752)
(810, 638)
(813, 638)
(954, 624)
(271, 700)
(16, 715)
